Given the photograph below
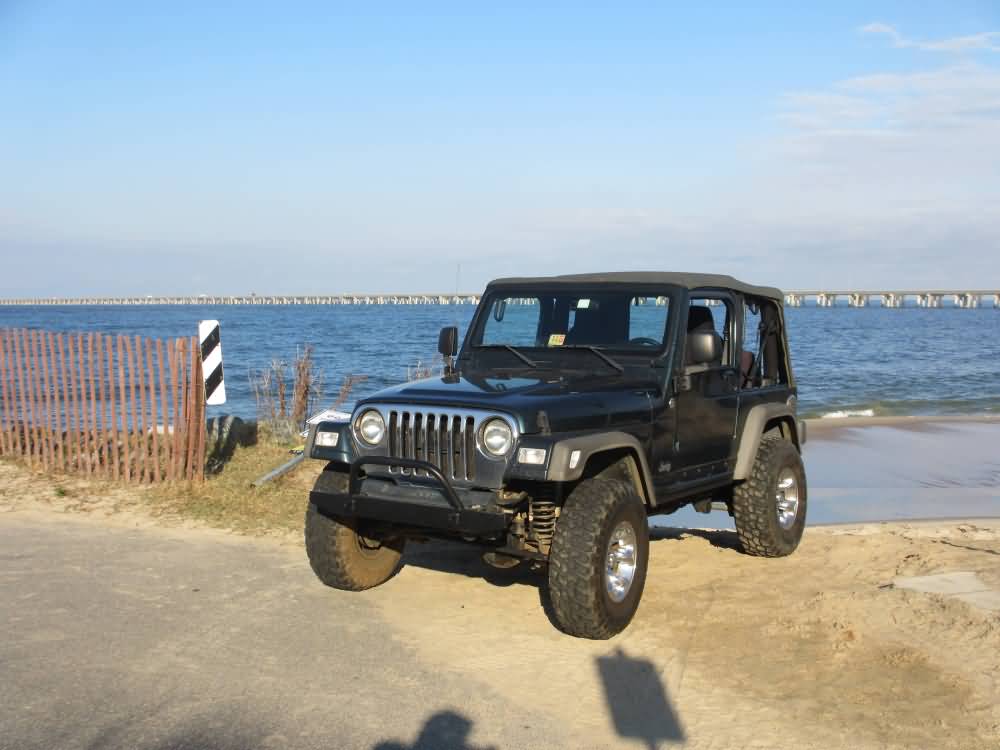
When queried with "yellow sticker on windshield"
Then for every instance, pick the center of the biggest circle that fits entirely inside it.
(557, 339)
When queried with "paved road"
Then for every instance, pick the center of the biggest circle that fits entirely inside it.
(157, 639)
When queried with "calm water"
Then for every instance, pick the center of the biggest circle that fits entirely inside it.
(886, 361)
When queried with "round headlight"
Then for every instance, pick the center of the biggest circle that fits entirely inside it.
(370, 427)
(497, 437)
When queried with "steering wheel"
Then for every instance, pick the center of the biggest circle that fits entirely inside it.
(644, 341)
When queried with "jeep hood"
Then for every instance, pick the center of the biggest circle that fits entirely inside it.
(582, 402)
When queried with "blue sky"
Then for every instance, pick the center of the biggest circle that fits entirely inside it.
(310, 147)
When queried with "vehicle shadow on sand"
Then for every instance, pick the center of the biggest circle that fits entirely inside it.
(461, 559)
(453, 557)
(721, 538)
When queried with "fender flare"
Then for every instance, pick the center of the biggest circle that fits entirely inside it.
(753, 431)
(594, 444)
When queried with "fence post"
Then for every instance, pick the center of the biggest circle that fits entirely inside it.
(82, 420)
(45, 380)
(59, 458)
(139, 404)
(200, 404)
(180, 427)
(26, 399)
(155, 471)
(164, 410)
(67, 409)
(192, 411)
(110, 393)
(97, 413)
(6, 442)
(4, 411)
(122, 391)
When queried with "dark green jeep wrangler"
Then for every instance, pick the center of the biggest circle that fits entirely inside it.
(577, 407)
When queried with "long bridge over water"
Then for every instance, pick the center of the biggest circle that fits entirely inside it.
(963, 298)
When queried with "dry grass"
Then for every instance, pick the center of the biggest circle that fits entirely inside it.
(225, 501)
(228, 501)
(287, 393)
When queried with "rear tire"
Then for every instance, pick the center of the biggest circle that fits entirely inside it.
(340, 553)
(762, 505)
(601, 539)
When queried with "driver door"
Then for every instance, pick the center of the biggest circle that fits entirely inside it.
(707, 401)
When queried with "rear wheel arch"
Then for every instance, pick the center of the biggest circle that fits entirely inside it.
(764, 419)
(785, 427)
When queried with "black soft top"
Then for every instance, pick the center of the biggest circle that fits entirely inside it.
(661, 278)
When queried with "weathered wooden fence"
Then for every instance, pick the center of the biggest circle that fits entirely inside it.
(110, 407)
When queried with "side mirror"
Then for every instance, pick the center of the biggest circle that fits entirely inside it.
(704, 347)
(448, 341)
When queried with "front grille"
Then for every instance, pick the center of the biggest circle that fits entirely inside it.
(446, 440)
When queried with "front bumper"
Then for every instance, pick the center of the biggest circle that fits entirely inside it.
(435, 505)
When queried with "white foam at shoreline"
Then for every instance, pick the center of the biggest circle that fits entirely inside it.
(845, 413)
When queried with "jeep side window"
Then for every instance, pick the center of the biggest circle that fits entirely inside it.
(717, 311)
(512, 321)
(751, 345)
(762, 359)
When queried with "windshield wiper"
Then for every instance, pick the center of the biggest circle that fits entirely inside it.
(529, 362)
(617, 365)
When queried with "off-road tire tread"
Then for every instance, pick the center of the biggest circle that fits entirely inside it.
(576, 558)
(752, 503)
(331, 547)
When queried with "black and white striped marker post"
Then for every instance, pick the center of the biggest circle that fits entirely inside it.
(211, 362)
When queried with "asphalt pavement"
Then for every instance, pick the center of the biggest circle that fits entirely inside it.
(160, 639)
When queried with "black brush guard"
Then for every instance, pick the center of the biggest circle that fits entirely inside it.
(420, 513)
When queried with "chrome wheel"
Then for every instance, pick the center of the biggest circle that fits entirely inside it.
(787, 498)
(621, 561)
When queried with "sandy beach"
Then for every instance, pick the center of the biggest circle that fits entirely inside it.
(872, 635)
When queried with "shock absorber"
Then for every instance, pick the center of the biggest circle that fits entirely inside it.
(542, 515)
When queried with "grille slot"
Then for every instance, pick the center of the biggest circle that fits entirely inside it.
(446, 440)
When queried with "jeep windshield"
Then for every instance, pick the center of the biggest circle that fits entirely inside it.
(571, 327)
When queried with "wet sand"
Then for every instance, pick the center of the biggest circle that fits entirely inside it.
(892, 468)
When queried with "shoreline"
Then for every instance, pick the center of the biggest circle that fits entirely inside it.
(823, 425)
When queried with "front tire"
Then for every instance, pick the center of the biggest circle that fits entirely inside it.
(769, 508)
(342, 555)
(598, 559)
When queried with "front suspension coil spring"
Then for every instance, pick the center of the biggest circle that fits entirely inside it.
(542, 520)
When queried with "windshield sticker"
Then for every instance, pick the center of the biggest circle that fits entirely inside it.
(557, 339)
(583, 304)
